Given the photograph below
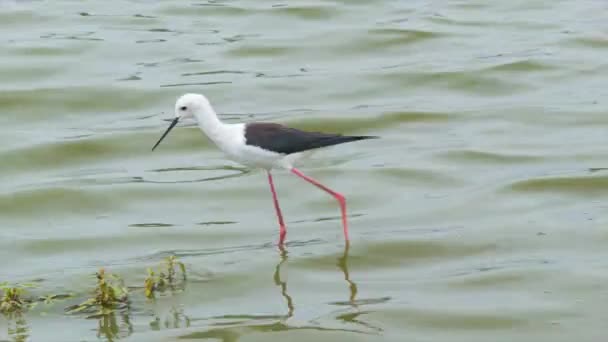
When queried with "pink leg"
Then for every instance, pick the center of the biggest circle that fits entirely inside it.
(282, 230)
(338, 196)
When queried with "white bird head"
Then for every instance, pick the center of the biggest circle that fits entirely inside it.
(189, 106)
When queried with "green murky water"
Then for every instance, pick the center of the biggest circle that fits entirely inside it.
(479, 216)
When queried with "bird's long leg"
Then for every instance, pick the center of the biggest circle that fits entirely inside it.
(338, 196)
(275, 200)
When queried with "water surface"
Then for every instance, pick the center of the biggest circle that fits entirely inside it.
(478, 216)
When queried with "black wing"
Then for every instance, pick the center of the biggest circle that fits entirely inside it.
(281, 139)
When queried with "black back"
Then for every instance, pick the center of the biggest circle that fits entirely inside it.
(285, 140)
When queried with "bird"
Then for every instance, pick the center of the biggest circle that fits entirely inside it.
(262, 145)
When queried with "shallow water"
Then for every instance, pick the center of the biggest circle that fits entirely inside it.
(478, 216)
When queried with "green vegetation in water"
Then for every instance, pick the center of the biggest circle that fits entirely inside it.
(15, 301)
(12, 300)
(110, 295)
(167, 277)
(110, 299)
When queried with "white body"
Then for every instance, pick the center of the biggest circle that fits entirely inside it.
(230, 138)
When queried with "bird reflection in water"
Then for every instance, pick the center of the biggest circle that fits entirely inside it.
(281, 283)
(342, 264)
(352, 315)
(229, 328)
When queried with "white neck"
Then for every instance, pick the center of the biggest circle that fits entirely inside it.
(208, 121)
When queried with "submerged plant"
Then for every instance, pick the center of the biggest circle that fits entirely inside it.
(110, 294)
(52, 298)
(15, 299)
(12, 300)
(150, 284)
(172, 263)
(166, 278)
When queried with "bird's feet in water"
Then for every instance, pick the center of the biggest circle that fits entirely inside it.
(282, 235)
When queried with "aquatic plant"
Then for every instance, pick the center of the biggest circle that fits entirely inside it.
(12, 299)
(52, 298)
(15, 299)
(109, 295)
(167, 277)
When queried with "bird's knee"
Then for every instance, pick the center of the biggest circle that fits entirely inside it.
(340, 198)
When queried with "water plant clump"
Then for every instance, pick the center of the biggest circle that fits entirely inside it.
(16, 299)
(12, 300)
(167, 277)
(109, 295)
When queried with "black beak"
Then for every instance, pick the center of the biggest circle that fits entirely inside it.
(173, 123)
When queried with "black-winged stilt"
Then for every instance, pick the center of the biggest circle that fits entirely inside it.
(261, 145)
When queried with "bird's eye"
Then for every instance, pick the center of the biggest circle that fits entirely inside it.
(183, 108)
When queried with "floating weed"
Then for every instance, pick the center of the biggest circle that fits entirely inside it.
(166, 278)
(172, 262)
(109, 295)
(150, 284)
(52, 298)
(12, 300)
